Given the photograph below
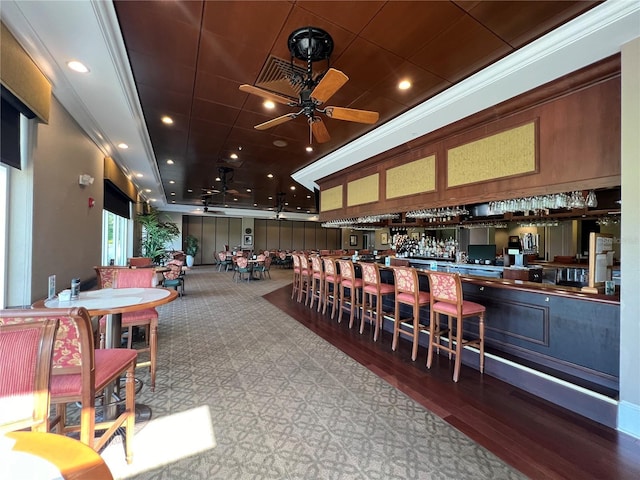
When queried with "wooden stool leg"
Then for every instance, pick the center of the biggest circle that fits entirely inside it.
(458, 354)
(481, 334)
(396, 328)
(416, 332)
(432, 332)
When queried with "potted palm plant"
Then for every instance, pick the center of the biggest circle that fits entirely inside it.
(156, 235)
(191, 249)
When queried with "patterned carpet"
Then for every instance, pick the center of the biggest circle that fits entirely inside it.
(246, 392)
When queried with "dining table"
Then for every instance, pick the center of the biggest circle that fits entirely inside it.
(49, 456)
(112, 303)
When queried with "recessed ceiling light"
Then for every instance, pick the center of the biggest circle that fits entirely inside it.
(268, 104)
(124, 146)
(148, 190)
(270, 175)
(170, 162)
(235, 199)
(255, 204)
(309, 148)
(173, 201)
(286, 203)
(77, 66)
(404, 85)
(280, 143)
(189, 190)
(234, 155)
(152, 199)
(270, 198)
(248, 190)
(139, 175)
(292, 187)
(172, 181)
(167, 120)
(217, 179)
(308, 196)
(298, 208)
(173, 194)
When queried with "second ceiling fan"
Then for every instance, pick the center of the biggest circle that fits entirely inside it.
(312, 44)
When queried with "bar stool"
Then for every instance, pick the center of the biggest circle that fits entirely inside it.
(373, 288)
(317, 281)
(331, 279)
(447, 299)
(305, 278)
(408, 293)
(296, 275)
(349, 281)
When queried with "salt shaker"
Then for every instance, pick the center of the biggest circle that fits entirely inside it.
(75, 288)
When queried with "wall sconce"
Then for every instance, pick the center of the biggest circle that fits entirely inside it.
(85, 179)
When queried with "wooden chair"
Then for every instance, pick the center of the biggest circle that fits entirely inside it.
(447, 299)
(242, 268)
(174, 278)
(106, 274)
(295, 288)
(140, 261)
(348, 281)
(147, 318)
(25, 373)
(80, 373)
(223, 261)
(317, 281)
(407, 290)
(373, 289)
(331, 290)
(305, 279)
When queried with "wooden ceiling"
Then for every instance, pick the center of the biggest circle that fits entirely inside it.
(189, 57)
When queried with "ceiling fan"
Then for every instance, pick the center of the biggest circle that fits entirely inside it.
(225, 175)
(312, 44)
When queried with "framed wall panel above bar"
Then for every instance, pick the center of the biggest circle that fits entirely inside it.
(331, 199)
(505, 154)
(363, 190)
(414, 177)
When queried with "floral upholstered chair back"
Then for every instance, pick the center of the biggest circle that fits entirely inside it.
(445, 287)
(346, 269)
(176, 269)
(222, 256)
(242, 262)
(370, 274)
(296, 262)
(406, 279)
(329, 266)
(316, 263)
(134, 277)
(73, 345)
(106, 275)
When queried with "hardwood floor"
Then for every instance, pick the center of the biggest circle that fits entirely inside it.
(538, 438)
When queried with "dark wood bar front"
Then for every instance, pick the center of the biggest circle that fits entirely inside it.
(554, 341)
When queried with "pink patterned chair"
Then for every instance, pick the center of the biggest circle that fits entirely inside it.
(242, 268)
(317, 281)
(80, 373)
(447, 299)
(372, 289)
(25, 374)
(331, 279)
(174, 278)
(305, 278)
(408, 292)
(147, 318)
(349, 281)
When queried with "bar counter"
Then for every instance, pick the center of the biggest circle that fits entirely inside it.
(551, 331)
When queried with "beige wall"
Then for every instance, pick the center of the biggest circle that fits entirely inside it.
(629, 408)
(66, 232)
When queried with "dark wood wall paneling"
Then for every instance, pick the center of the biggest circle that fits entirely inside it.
(216, 232)
(578, 145)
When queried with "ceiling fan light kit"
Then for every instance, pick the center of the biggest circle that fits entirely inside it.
(312, 44)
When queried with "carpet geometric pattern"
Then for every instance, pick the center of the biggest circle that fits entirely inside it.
(246, 392)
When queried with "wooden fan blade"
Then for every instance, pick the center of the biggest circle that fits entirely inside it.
(236, 193)
(276, 121)
(332, 81)
(319, 130)
(352, 115)
(266, 94)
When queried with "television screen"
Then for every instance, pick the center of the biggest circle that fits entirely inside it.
(482, 253)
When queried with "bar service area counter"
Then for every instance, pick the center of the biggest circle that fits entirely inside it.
(563, 342)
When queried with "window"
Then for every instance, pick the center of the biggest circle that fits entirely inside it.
(115, 231)
(3, 231)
